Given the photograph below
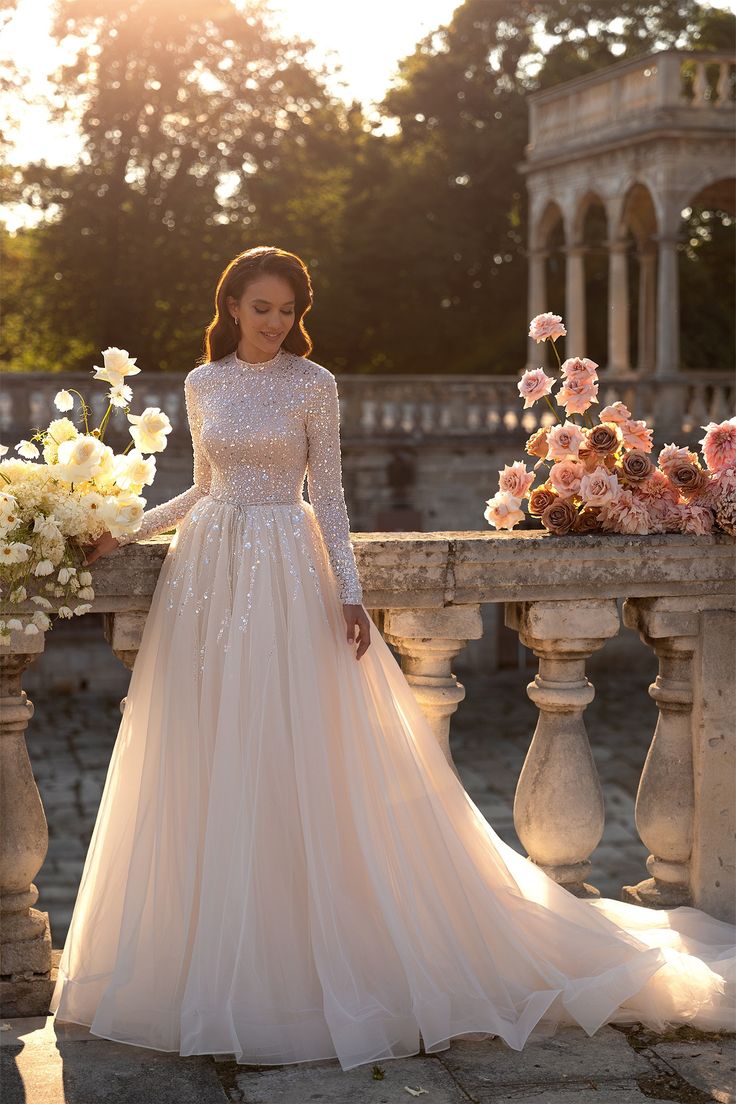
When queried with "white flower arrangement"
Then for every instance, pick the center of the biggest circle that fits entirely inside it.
(66, 489)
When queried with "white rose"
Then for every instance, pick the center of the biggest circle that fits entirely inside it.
(134, 469)
(81, 458)
(118, 365)
(123, 513)
(149, 429)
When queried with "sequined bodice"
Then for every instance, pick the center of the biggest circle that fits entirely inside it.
(257, 430)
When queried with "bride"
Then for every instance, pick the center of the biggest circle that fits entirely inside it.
(284, 867)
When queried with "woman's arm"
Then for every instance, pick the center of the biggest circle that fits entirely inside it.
(168, 514)
(324, 483)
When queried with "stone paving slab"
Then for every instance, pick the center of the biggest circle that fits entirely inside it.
(705, 1064)
(44, 1063)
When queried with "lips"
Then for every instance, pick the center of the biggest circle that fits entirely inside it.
(271, 337)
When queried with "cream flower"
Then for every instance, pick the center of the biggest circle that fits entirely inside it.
(80, 458)
(120, 394)
(503, 510)
(123, 513)
(118, 365)
(149, 429)
(134, 469)
(27, 449)
(43, 567)
(13, 552)
(63, 400)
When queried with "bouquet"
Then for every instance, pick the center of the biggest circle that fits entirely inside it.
(64, 492)
(598, 476)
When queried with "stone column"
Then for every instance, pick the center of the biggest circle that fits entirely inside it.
(558, 806)
(575, 342)
(618, 306)
(668, 306)
(665, 797)
(647, 308)
(25, 933)
(427, 642)
(537, 294)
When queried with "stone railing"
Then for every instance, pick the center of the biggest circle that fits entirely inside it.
(393, 408)
(682, 88)
(425, 594)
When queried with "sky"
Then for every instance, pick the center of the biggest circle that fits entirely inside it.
(367, 48)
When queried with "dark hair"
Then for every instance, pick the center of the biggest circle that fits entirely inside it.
(222, 334)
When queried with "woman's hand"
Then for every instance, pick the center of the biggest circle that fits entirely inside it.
(356, 615)
(104, 544)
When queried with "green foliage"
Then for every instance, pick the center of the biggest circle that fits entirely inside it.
(205, 132)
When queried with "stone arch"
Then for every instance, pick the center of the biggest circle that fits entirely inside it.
(706, 262)
(547, 222)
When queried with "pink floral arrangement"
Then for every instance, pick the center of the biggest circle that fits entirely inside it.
(598, 475)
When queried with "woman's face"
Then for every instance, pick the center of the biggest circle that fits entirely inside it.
(265, 313)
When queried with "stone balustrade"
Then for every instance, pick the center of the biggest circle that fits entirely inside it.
(676, 86)
(425, 593)
(412, 409)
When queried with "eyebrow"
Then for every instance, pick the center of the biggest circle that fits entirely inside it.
(267, 302)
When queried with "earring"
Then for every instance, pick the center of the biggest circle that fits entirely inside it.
(236, 321)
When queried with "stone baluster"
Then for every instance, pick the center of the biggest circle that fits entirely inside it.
(665, 797)
(123, 632)
(427, 642)
(25, 933)
(558, 805)
(700, 86)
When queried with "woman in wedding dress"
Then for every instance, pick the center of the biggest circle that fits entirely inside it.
(284, 867)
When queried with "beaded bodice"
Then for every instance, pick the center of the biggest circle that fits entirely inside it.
(257, 429)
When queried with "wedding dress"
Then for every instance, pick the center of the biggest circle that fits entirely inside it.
(284, 867)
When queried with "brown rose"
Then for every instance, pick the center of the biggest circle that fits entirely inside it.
(688, 478)
(635, 466)
(559, 516)
(587, 520)
(537, 443)
(540, 498)
(604, 438)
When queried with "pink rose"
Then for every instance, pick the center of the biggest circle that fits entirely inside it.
(515, 479)
(719, 444)
(564, 440)
(565, 477)
(577, 393)
(502, 511)
(598, 487)
(616, 412)
(626, 513)
(637, 435)
(533, 385)
(580, 367)
(546, 326)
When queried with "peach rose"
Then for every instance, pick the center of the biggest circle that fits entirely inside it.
(616, 412)
(534, 385)
(719, 444)
(579, 367)
(587, 520)
(564, 440)
(565, 477)
(598, 487)
(546, 326)
(603, 438)
(515, 479)
(540, 498)
(577, 394)
(688, 478)
(589, 459)
(635, 466)
(672, 454)
(537, 443)
(502, 511)
(637, 435)
(559, 517)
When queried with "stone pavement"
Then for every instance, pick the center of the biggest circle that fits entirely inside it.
(70, 739)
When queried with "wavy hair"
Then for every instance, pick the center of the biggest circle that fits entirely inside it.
(222, 335)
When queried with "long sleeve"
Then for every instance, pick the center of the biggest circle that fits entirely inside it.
(168, 514)
(324, 483)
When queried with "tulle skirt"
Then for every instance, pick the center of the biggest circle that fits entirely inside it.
(285, 868)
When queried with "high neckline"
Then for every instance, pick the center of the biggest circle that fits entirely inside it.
(258, 364)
